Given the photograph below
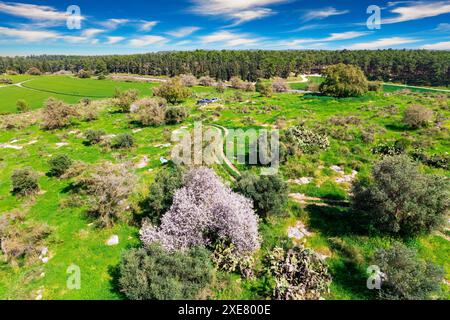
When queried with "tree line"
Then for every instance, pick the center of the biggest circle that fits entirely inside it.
(415, 67)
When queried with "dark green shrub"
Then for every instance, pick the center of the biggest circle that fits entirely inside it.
(123, 141)
(173, 91)
(343, 80)
(159, 199)
(22, 105)
(269, 193)
(94, 136)
(175, 115)
(24, 182)
(156, 274)
(264, 87)
(405, 277)
(398, 199)
(59, 165)
(84, 74)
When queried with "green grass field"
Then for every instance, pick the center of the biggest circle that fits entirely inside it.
(75, 240)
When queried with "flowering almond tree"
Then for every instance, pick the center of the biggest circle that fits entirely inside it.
(204, 211)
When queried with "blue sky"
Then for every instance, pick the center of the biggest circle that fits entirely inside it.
(122, 27)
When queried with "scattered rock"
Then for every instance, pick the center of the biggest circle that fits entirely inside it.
(113, 241)
(136, 130)
(302, 180)
(10, 146)
(163, 160)
(74, 132)
(298, 232)
(166, 145)
(40, 293)
(61, 144)
(45, 260)
(337, 169)
(143, 163)
(347, 178)
(32, 142)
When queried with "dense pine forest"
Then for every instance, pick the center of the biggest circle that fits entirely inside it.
(414, 67)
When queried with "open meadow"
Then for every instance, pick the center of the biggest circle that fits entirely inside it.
(360, 130)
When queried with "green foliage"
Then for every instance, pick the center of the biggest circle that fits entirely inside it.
(94, 136)
(126, 98)
(161, 192)
(225, 259)
(150, 111)
(175, 115)
(417, 116)
(33, 71)
(6, 81)
(375, 86)
(269, 193)
(343, 80)
(405, 277)
(299, 139)
(155, 274)
(299, 274)
(123, 141)
(56, 114)
(22, 105)
(59, 165)
(398, 199)
(264, 87)
(24, 182)
(84, 74)
(173, 91)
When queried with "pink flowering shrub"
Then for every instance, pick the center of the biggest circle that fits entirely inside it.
(204, 211)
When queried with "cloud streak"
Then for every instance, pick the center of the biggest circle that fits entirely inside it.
(320, 14)
(418, 10)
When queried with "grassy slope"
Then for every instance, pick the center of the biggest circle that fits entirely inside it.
(74, 240)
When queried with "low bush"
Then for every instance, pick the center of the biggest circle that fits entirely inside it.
(175, 115)
(299, 274)
(21, 241)
(375, 86)
(22, 105)
(24, 182)
(155, 274)
(343, 80)
(6, 81)
(264, 88)
(59, 165)
(299, 139)
(207, 81)
(108, 187)
(188, 80)
(33, 71)
(150, 111)
(417, 116)
(84, 74)
(123, 141)
(126, 98)
(94, 136)
(280, 85)
(404, 276)
(57, 114)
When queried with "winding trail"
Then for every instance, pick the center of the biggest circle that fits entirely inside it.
(18, 84)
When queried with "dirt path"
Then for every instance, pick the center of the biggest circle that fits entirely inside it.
(18, 84)
(224, 131)
(414, 87)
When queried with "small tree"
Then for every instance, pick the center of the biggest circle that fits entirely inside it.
(155, 274)
(56, 114)
(33, 71)
(398, 199)
(22, 105)
(126, 98)
(160, 197)
(375, 86)
(173, 91)
(150, 111)
(108, 186)
(123, 141)
(59, 165)
(404, 276)
(220, 87)
(94, 136)
(280, 85)
(175, 115)
(188, 80)
(264, 88)
(269, 193)
(84, 74)
(24, 182)
(207, 81)
(417, 116)
(343, 80)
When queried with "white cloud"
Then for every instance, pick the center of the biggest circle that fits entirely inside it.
(319, 14)
(114, 23)
(230, 39)
(345, 36)
(89, 33)
(147, 40)
(114, 40)
(33, 12)
(28, 35)
(437, 46)
(238, 10)
(443, 27)
(333, 37)
(382, 43)
(148, 25)
(418, 10)
(183, 32)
